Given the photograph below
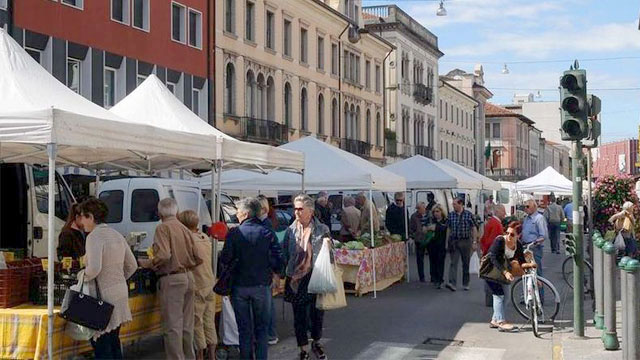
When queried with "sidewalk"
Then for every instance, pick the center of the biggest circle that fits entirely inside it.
(567, 347)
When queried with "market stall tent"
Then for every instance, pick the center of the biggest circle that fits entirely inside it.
(152, 103)
(485, 182)
(44, 122)
(423, 173)
(547, 181)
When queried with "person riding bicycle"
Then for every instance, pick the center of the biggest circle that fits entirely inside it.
(507, 255)
(624, 222)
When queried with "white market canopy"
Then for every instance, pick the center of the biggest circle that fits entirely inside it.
(484, 182)
(36, 109)
(547, 181)
(152, 103)
(423, 173)
(326, 168)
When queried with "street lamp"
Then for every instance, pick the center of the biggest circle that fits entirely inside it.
(441, 10)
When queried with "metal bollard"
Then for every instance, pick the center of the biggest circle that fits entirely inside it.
(609, 335)
(598, 242)
(624, 299)
(631, 341)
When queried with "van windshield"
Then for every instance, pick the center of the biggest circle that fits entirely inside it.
(41, 187)
(503, 196)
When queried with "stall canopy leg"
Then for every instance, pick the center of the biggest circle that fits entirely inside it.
(373, 252)
(406, 232)
(51, 254)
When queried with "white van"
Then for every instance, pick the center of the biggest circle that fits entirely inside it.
(133, 204)
(444, 197)
(24, 194)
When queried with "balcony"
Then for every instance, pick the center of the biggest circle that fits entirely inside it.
(425, 151)
(406, 150)
(423, 94)
(263, 131)
(393, 15)
(390, 148)
(356, 147)
(504, 174)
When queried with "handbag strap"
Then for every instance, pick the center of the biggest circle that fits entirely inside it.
(98, 296)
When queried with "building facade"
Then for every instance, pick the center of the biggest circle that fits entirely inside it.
(298, 68)
(473, 85)
(104, 49)
(456, 125)
(616, 158)
(411, 74)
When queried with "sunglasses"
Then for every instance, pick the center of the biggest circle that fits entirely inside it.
(298, 209)
(527, 206)
(511, 234)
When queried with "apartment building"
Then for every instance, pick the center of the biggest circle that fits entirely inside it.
(299, 68)
(456, 125)
(104, 49)
(411, 74)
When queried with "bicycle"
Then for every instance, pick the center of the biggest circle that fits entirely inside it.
(567, 274)
(526, 291)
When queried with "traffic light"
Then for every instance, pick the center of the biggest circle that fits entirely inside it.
(593, 137)
(574, 107)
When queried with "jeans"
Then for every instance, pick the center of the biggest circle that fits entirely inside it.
(498, 301)
(420, 250)
(554, 234)
(273, 334)
(461, 250)
(437, 255)
(247, 301)
(108, 345)
(307, 317)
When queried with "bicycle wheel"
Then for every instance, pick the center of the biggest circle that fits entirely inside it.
(567, 274)
(534, 318)
(549, 297)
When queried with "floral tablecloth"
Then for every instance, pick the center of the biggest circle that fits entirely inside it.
(390, 265)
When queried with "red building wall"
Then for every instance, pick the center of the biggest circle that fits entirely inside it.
(93, 27)
(612, 156)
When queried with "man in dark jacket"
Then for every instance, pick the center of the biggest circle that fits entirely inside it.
(395, 216)
(257, 255)
(323, 211)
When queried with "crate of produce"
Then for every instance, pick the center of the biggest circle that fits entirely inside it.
(38, 288)
(14, 284)
(133, 283)
(18, 254)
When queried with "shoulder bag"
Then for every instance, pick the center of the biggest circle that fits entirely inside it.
(489, 272)
(223, 285)
(85, 310)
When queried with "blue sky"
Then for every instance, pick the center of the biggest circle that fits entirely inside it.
(494, 32)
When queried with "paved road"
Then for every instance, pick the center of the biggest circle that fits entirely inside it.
(416, 321)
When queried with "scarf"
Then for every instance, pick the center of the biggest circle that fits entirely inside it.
(304, 254)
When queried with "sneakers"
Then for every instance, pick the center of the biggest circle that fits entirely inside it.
(466, 288)
(450, 287)
(273, 341)
(318, 350)
(304, 355)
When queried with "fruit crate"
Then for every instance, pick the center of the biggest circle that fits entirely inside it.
(14, 284)
(147, 281)
(38, 288)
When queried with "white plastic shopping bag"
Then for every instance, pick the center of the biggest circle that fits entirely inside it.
(474, 264)
(230, 334)
(73, 330)
(323, 279)
(619, 242)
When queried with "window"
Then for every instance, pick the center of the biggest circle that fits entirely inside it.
(140, 79)
(303, 46)
(109, 87)
(357, 68)
(230, 89)
(270, 23)
(440, 108)
(178, 14)
(320, 53)
(73, 74)
(378, 78)
(287, 38)
(496, 130)
(287, 104)
(367, 127)
(120, 11)
(3, 4)
(378, 130)
(62, 196)
(229, 16)
(195, 101)
(271, 99)
(144, 205)
(334, 118)
(250, 95)
(114, 199)
(487, 130)
(172, 87)
(34, 53)
(195, 28)
(321, 114)
(74, 3)
(334, 59)
(249, 21)
(141, 14)
(367, 74)
(303, 110)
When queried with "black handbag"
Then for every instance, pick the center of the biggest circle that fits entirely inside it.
(85, 310)
(489, 272)
(223, 285)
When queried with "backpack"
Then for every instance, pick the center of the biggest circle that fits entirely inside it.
(554, 214)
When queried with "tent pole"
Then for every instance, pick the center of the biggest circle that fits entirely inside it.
(51, 151)
(219, 189)
(302, 180)
(97, 183)
(406, 232)
(373, 250)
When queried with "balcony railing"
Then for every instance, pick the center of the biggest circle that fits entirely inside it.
(390, 148)
(264, 131)
(425, 151)
(506, 174)
(406, 150)
(356, 147)
(423, 94)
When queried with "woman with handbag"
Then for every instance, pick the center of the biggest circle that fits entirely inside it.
(110, 263)
(418, 232)
(437, 247)
(505, 255)
(303, 241)
(624, 223)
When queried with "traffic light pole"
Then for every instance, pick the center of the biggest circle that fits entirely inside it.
(578, 258)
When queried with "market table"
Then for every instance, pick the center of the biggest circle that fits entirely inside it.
(390, 265)
(23, 329)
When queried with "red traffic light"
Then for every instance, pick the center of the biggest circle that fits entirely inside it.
(570, 82)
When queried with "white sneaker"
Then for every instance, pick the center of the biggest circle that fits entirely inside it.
(273, 341)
